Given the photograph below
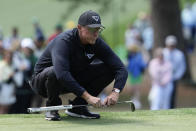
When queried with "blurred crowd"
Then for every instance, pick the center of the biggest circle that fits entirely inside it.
(17, 59)
(165, 66)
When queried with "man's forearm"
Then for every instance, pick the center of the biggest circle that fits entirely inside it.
(86, 95)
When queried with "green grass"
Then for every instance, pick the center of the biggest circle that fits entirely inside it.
(142, 120)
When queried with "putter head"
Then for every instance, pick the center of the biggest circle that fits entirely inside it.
(132, 105)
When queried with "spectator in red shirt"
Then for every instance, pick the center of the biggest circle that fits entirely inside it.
(58, 30)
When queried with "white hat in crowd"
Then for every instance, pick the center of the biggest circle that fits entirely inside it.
(170, 40)
(28, 43)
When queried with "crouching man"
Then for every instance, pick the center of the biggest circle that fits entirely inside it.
(78, 61)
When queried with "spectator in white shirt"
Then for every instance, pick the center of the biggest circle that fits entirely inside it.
(177, 59)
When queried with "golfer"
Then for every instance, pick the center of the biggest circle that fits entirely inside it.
(78, 61)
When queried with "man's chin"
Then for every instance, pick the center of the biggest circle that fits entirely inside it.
(92, 42)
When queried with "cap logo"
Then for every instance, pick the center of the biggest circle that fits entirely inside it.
(96, 18)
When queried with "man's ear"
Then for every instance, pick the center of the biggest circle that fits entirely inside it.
(79, 27)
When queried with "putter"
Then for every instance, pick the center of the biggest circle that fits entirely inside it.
(66, 107)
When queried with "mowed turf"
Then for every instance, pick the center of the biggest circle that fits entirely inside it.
(142, 120)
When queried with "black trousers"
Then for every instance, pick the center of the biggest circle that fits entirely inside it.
(173, 95)
(94, 80)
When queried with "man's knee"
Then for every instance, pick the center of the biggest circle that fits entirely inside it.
(51, 77)
(51, 74)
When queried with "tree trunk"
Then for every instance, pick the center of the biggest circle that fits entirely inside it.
(166, 21)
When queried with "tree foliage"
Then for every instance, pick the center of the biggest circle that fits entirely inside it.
(104, 6)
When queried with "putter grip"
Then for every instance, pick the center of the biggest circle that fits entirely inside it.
(29, 110)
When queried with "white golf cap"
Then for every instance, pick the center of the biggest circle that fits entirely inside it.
(170, 40)
(28, 43)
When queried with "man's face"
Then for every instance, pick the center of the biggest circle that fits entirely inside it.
(171, 47)
(88, 35)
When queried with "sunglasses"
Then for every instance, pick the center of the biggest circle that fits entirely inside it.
(95, 30)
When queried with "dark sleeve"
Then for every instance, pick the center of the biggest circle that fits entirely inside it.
(106, 54)
(60, 59)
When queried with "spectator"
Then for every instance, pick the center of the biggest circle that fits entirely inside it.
(37, 28)
(7, 96)
(13, 40)
(132, 35)
(23, 63)
(147, 37)
(58, 30)
(142, 22)
(39, 46)
(177, 59)
(160, 71)
(136, 66)
(189, 26)
(39, 38)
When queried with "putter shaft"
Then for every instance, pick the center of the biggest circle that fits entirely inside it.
(65, 107)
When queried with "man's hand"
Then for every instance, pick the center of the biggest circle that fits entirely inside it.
(94, 101)
(111, 99)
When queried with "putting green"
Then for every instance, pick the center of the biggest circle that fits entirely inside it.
(142, 120)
